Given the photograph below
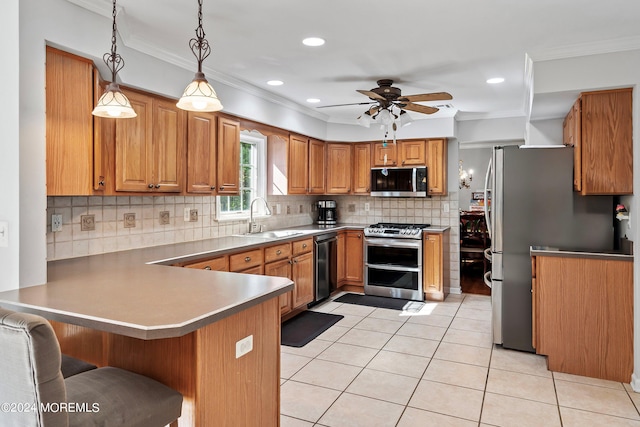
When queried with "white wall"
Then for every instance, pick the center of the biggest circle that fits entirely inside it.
(545, 132)
(491, 130)
(427, 128)
(10, 144)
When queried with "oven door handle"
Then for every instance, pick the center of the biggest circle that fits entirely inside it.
(394, 243)
(393, 268)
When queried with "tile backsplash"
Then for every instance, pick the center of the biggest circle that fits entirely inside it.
(130, 222)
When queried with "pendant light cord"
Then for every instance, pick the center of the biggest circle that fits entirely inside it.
(112, 59)
(200, 44)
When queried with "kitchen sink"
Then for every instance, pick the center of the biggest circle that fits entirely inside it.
(273, 234)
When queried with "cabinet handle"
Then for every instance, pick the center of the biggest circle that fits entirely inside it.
(304, 246)
(295, 261)
(101, 183)
(403, 162)
(278, 252)
(208, 267)
(359, 236)
(213, 187)
(157, 185)
(291, 261)
(247, 258)
(221, 188)
(150, 185)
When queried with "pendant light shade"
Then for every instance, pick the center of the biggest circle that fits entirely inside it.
(199, 94)
(113, 103)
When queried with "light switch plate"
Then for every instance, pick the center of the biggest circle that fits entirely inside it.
(4, 234)
(193, 215)
(187, 214)
(244, 346)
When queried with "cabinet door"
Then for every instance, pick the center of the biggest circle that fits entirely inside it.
(134, 159)
(380, 151)
(411, 153)
(69, 124)
(606, 142)
(342, 256)
(228, 156)
(432, 265)
(437, 166)
(298, 161)
(168, 146)
(201, 152)
(316, 167)
(281, 269)
(361, 171)
(339, 168)
(354, 262)
(302, 275)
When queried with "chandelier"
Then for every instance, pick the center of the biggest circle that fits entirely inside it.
(464, 177)
(113, 103)
(199, 94)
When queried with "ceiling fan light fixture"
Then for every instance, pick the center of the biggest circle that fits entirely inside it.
(405, 119)
(199, 95)
(385, 116)
(114, 103)
(365, 119)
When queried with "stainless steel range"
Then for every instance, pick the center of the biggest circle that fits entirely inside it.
(393, 260)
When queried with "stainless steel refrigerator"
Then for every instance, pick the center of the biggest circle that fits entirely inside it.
(533, 204)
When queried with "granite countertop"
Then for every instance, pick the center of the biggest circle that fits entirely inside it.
(575, 253)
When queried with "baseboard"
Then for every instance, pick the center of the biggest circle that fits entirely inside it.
(457, 291)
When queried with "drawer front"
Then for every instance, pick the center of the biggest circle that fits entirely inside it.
(245, 260)
(214, 264)
(274, 253)
(259, 270)
(302, 246)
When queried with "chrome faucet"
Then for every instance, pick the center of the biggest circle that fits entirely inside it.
(252, 224)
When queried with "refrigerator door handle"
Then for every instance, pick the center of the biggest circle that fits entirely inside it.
(486, 198)
(488, 254)
(487, 278)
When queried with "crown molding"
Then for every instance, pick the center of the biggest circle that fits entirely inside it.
(100, 7)
(584, 49)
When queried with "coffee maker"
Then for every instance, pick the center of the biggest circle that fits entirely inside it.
(327, 213)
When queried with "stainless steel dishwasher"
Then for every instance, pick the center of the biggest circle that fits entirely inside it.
(326, 277)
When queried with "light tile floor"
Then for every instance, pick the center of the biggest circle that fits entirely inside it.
(379, 367)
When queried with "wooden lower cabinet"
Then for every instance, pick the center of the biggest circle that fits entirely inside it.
(302, 276)
(246, 260)
(435, 263)
(213, 264)
(354, 258)
(582, 314)
(341, 249)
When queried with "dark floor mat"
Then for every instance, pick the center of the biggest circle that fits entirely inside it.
(306, 326)
(380, 302)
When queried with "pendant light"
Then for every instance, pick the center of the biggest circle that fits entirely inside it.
(199, 94)
(113, 103)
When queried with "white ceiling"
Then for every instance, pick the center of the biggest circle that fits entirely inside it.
(424, 45)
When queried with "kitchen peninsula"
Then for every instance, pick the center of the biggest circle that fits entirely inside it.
(213, 336)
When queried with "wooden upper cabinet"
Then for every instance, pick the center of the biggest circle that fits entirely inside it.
(298, 176)
(150, 147)
(603, 142)
(411, 153)
(69, 124)
(379, 153)
(317, 167)
(228, 176)
(361, 170)
(338, 168)
(201, 152)
(437, 166)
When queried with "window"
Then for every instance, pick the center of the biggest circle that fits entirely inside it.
(252, 180)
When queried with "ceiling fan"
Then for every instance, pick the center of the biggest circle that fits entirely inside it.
(386, 97)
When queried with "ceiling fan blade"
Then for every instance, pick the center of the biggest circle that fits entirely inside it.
(372, 95)
(343, 105)
(436, 96)
(424, 109)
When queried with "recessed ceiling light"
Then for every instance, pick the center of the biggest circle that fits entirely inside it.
(313, 100)
(313, 41)
(275, 82)
(495, 80)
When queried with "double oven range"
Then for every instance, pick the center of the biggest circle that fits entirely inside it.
(393, 260)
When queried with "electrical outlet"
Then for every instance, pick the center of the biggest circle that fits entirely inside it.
(193, 215)
(445, 207)
(4, 234)
(56, 223)
(87, 222)
(244, 346)
(366, 207)
(187, 214)
(278, 208)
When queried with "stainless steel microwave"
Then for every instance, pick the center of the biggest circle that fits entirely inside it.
(399, 182)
